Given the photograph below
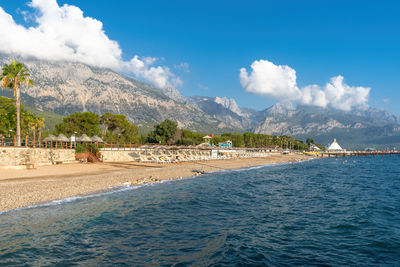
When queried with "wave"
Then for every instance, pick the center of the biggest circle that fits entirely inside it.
(133, 187)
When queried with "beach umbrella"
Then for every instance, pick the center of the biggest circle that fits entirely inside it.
(50, 138)
(97, 139)
(84, 138)
(62, 138)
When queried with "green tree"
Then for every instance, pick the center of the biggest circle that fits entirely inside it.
(237, 140)
(8, 117)
(82, 123)
(248, 139)
(40, 125)
(310, 141)
(163, 132)
(118, 128)
(13, 75)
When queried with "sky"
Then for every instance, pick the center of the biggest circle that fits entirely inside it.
(325, 53)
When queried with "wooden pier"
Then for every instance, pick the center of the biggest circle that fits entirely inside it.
(359, 153)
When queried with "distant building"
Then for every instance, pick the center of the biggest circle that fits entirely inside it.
(335, 146)
(207, 138)
(314, 148)
(226, 144)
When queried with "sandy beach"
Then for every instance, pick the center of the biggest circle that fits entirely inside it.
(22, 188)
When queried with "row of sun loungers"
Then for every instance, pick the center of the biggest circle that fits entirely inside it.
(182, 156)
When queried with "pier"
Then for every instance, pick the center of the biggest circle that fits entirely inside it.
(359, 153)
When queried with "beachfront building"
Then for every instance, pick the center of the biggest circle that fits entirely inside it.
(314, 148)
(334, 147)
(226, 144)
(207, 138)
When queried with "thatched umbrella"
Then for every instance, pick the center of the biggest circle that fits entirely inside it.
(51, 138)
(85, 138)
(62, 139)
(97, 139)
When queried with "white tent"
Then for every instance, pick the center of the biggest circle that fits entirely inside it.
(335, 146)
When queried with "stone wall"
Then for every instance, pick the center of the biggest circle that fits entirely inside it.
(115, 156)
(20, 156)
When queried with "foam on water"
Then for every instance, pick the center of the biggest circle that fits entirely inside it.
(132, 187)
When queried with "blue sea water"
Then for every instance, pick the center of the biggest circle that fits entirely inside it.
(332, 212)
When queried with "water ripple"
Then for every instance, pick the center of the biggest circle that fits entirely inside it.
(321, 212)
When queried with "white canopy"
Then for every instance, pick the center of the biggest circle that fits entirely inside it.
(335, 146)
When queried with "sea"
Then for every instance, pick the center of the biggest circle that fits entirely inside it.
(325, 212)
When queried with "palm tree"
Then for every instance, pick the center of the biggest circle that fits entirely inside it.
(13, 75)
(40, 125)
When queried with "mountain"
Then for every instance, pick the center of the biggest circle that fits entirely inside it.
(62, 88)
(354, 129)
(229, 114)
(230, 104)
(67, 87)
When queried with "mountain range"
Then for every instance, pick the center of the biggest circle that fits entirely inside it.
(66, 87)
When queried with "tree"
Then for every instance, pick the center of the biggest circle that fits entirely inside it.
(8, 119)
(163, 132)
(13, 75)
(40, 124)
(237, 140)
(247, 137)
(82, 123)
(118, 128)
(310, 141)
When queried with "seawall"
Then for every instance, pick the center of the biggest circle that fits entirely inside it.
(21, 157)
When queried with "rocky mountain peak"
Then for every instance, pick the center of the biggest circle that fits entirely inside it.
(230, 104)
(67, 87)
(173, 93)
(282, 108)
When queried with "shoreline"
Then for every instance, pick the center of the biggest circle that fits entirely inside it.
(47, 184)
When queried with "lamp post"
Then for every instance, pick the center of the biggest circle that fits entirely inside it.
(73, 139)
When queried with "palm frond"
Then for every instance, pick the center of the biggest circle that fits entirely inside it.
(15, 72)
(6, 82)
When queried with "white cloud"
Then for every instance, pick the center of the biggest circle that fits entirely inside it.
(203, 87)
(280, 82)
(184, 66)
(64, 33)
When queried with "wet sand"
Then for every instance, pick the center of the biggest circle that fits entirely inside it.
(22, 188)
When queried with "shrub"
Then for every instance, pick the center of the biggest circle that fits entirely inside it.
(80, 148)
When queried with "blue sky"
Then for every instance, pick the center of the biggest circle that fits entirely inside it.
(359, 40)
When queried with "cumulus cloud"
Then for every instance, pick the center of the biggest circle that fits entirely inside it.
(274, 81)
(280, 82)
(64, 33)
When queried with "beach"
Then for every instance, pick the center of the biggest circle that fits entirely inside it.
(23, 188)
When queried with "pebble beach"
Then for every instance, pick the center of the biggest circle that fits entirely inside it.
(23, 188)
